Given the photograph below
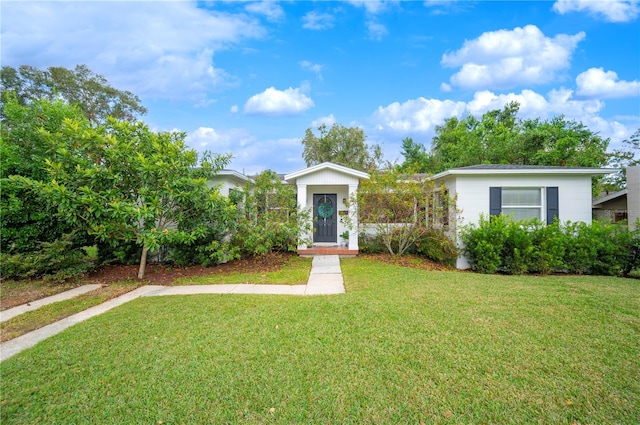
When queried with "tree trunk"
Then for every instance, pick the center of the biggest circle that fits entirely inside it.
(143, 261)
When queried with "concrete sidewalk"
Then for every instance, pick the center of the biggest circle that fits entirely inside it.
(66, 295)
(325, 279)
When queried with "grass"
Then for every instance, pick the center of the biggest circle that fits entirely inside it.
(402, 346)
(294, 272)
(50, 313)
(16, 292)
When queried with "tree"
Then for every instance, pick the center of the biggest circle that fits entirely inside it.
(269, 218)
(628, 155)
(401, 209)
(341, 145)
(416, 157)
(25, 219)
(91, 92)
(121, 181)
(499, 137)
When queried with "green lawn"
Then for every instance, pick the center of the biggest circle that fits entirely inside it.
(403, 346)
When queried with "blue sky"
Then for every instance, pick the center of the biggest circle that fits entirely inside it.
(248, 78)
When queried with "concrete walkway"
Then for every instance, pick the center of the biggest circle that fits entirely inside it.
(325, 279)
(67, 295)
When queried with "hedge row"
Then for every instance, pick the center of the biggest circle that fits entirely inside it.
(500, 244)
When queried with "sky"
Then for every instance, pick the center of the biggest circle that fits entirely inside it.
(248, 78)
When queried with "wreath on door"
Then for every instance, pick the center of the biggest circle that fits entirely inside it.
(325, 209)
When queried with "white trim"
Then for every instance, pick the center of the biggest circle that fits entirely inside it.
(234, 174)
(326, 165)
(524, 171)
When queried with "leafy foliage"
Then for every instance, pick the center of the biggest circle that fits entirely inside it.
(122, 181)
(499, 137)
(26, 220)
(54, 261)
(400, 210)
(435, 245)
(268, 217)
(90, 92)
(341, 145)
(500, 244)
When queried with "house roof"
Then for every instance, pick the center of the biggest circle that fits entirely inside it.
(235, 175)
(508, 169)
(610, 197)
(326, 166)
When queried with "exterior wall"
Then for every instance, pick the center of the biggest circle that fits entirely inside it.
(324, 177)
(472, 193)
(608, 210)
(574, 194)
(225, 184)
(633, 195)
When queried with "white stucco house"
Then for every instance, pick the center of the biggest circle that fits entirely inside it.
(521, 190)
(524, 191)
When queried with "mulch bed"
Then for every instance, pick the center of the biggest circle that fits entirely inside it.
(160, 274)
(411, 261)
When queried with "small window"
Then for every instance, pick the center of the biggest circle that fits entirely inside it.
(522, 203)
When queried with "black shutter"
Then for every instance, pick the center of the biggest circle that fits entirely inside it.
(495, 200)
(552, 204)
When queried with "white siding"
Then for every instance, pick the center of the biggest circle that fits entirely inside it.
(574, 194)
(327, 176)
(472, 196)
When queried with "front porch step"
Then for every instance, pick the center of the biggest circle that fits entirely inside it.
(327, 250)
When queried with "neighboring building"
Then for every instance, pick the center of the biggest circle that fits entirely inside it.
(621, 205)
(611, 207)
(543, 192)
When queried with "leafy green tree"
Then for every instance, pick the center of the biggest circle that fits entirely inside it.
(121, 181)
(269, 218)
(499, 137)
(628, 155)
(25, 219)
(401, 210)
(91, 92)
(416, 158)
(340, 145)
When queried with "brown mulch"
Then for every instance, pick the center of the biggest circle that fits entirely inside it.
(412, 261)
(158, 274)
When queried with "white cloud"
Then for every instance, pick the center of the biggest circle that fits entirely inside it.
(328, 121)
(419, 117)
(247, 150)
(317, 21)
(508, 58)
(234, 109)
(371, 6)
(376, 30)
(157, 50)
(609, 10)
(270, 9)
(313, 67)
(595, 82)
(416, 115)
(275, 102)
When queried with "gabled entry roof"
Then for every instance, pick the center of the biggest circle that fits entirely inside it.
(326, 166)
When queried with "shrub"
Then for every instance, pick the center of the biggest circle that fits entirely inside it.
(484, 243)
(435, 245)
(53, 261)
(371, 244)
(517, 247)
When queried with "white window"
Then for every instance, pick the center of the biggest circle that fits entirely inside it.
(522, 202)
